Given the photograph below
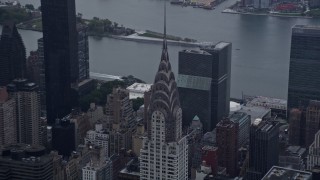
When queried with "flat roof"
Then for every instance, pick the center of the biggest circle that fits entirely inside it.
(221, 45)
(139, 87)
(255, 111)
(269, 102)
(281, 173)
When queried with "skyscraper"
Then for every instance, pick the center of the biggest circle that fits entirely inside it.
(312, 121)
(83, 51)
(63, 136)
(204, 84)
(304, 74)
(164, 154)
(8, 129)
(28, 119)
(22, 161)
(296, 127)
(12, 55)
(314, 152)
(227, 142)
(263, 149)
(60, 56)
(122, 120)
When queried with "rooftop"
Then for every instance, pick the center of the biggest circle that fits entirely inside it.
(137, 90)
(139, 87)
(196, 52)
(255, 112)
(281, 173)
(236, 116)
(268, 102)
(306, 29)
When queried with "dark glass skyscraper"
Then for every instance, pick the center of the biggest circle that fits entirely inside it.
(60, 55)
(204, 84)
(304, 74)
(263, 149)
(12, 55)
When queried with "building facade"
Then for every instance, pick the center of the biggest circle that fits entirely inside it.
(12, 55)
(98, 137)
(312, 121)
(83, 52)
(204, 84)
(227, 143)
(263, 149)
(243, 121)
(304, 66)
(122, 121)
(314, 153)
(296, 127)
(8, 130)
(164, 154)
(60, 55)
(63, 136)
(28, 119)
(22, 161)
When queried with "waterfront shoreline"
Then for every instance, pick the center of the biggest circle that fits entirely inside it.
(140, 39)
(230, 11)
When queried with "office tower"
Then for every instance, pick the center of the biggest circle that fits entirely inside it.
(22, 161)
(94, 113)
(312, 121)
(12, 55)
(42, 77)
(210, 156)
(314, 153)
(204, 84)
(120, 114)
(243, 121)
(227, 143)
(8, 129)
(83, 51)
(195, 134)
(63, 136)
(28, 120)
(304, 74)
(263, 149)
(137, 139)
(33, 67)
(60, 56)
(98, 137)
(164, 154)
(119, 109)
(296, 124)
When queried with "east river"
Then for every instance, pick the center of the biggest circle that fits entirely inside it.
(261, 44)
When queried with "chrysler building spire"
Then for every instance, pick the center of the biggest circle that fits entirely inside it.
(165, 143)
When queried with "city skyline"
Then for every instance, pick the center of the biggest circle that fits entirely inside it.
(74, 124)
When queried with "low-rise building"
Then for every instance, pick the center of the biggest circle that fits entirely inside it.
(137, 90)
(282, 173)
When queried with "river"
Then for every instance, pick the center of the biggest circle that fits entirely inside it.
(261, 44)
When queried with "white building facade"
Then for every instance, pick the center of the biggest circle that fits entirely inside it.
(161, 160)
(99, 138)
(314, 153)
